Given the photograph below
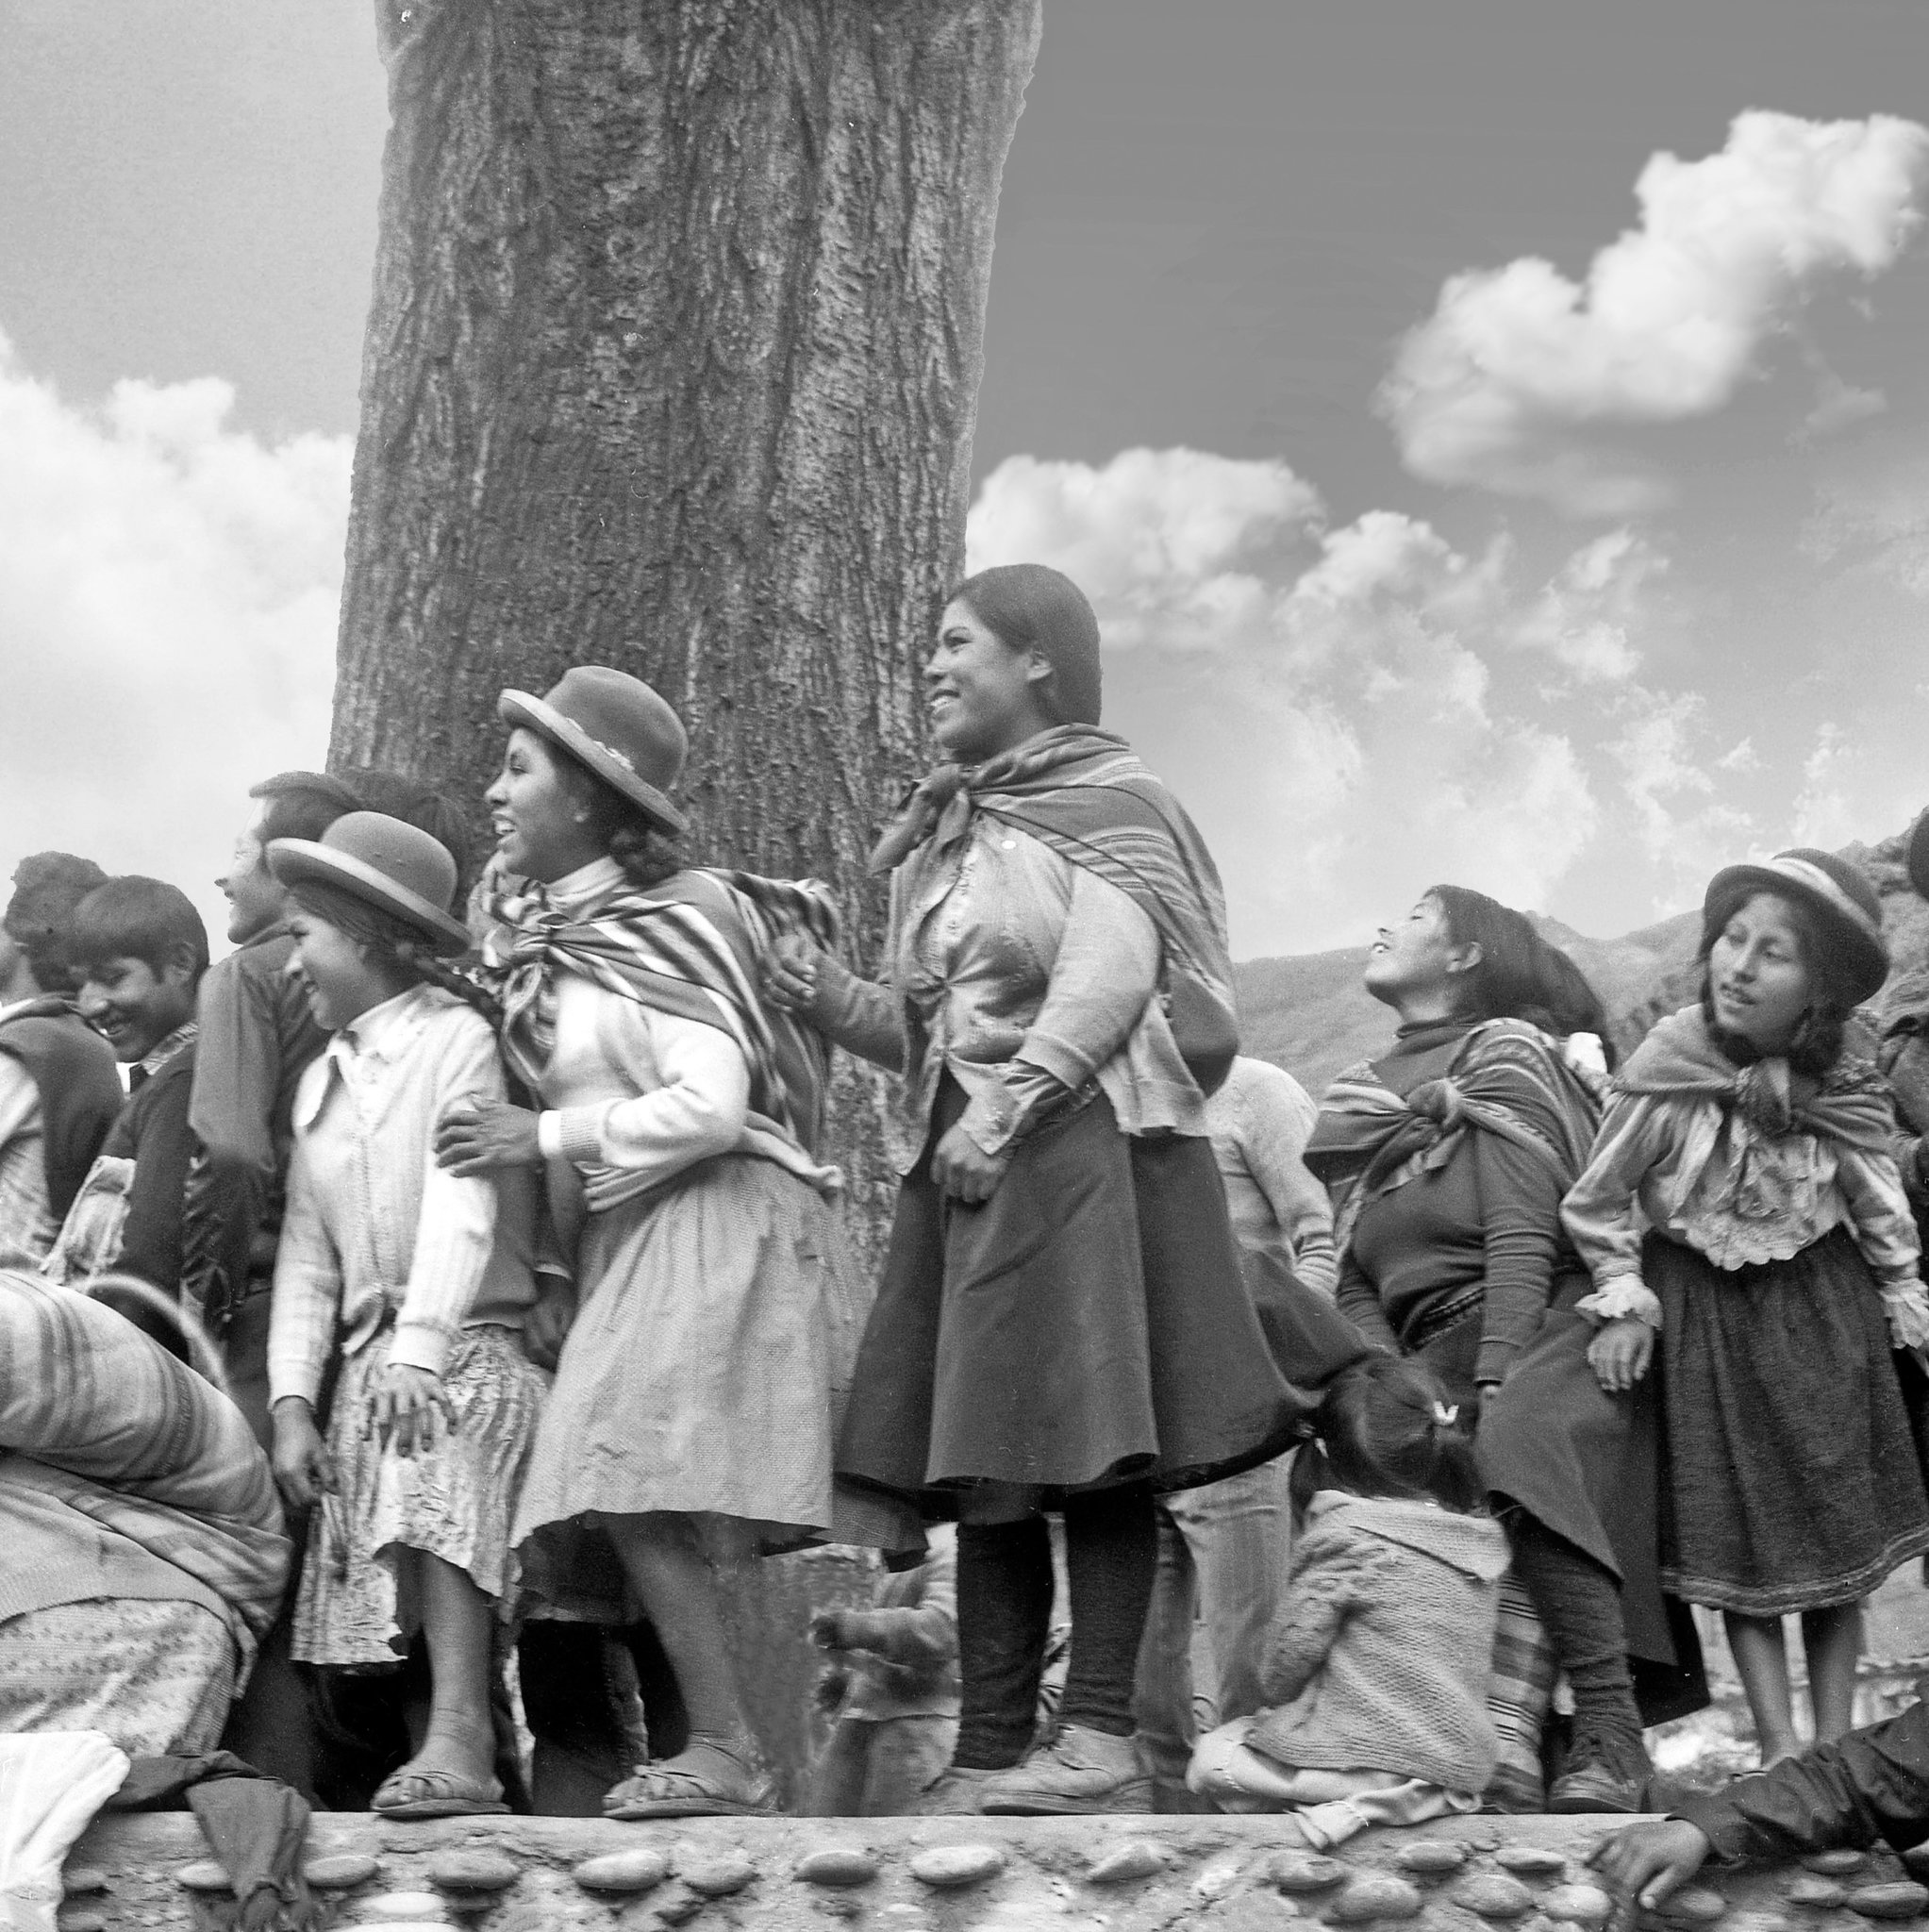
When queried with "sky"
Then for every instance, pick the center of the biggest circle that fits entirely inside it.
(1493, 433)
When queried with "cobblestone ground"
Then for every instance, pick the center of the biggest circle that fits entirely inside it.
(1123, 1875)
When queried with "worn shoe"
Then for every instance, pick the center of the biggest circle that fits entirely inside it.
(1602, 1776)
(1079, 1771)
(954, 1793)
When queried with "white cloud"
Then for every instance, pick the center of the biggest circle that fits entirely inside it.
(169, 589)
(1874, 524)
(1585, 613)
(1513, 379)
(1823, 815)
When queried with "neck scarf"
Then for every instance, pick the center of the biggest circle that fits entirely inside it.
(694, 945)
(1504, 1077)
(1085, 794)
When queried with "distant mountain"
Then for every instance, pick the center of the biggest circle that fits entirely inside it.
(1308, 1014)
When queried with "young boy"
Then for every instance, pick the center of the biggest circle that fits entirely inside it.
(59, 1089)
(138, 950)
(1872, 1784)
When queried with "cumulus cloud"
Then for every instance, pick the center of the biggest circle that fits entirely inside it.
(168, 588)
(1874, 524)
(1518, 379)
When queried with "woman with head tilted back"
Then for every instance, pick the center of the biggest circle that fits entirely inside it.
(1452, 1153)
(1062, 1321)
(695, 1398)
(1750, 1136)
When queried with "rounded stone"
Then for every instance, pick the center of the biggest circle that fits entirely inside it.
(1303, 1872)
(1432, 1857)
(1817, 1893)
(838, 1865)
(1834, 1864)
(1530, 1862)
(338, 1871)
(1905, 1899)
(1376, 1896)
(204, 1874)
(79, 1879)
(1494, 1895)
(477, 1869)
(1694, 1905)
(1577, 1904)
(401, 1905)
(946, 1868)
(718, 1878)
(640, 1870)
(1138, 1857)
(1218, 1876)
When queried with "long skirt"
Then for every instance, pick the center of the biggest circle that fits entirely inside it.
(453, 1502)
(705, 1376)
(1792, 1479)
(1586, 1465)
(1088, 1323)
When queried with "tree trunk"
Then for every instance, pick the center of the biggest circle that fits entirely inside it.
(672, 364)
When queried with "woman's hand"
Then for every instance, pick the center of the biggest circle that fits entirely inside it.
(793, 976)
(1620, 1353)
(1649, 1862)
(964, 1170)
(410, 1407)
(303, 1466)
(478, 1137)
(546, 1326)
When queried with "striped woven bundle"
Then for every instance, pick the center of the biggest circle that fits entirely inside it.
(694, 946)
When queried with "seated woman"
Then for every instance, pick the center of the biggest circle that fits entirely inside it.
(1456, 1149)
(144, 1548)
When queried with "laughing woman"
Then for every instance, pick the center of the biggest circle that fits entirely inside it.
(1062, 1320)
(1453, 1151)
(695, 1398)
(1750, 1139)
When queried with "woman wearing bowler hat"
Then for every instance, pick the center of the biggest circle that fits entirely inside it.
(696, 1395)
(1750, 1136)
(426, 1276)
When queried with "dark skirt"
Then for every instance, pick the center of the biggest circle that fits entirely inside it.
(1584, 1464)
(1791, 1475)
(1089, 1323)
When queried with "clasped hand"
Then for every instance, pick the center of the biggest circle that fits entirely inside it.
(1620, 1353)
(964, 1170)
(478, 1137)
(412, 1408)
(791, 974)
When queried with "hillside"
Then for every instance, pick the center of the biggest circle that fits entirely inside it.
(1308, 1014)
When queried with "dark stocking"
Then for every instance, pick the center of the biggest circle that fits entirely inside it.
(1111, 1549)
(1004, 1617)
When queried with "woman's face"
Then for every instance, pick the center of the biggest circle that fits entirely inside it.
(1758, 980)
(1416, 956)
(537, 818)
(333, 971)
(983, 695)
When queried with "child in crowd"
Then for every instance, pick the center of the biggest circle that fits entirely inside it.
(1377, 1672)
(427, 1277)
(1744, 1222)
(896, 1719)
(59, 1089)
(139, 949)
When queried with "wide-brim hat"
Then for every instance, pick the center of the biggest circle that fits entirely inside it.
(1835, 890)
(1916, 855)
(617, 728)
(385, 863)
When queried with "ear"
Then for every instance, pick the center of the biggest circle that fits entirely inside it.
(183, 965)
(1039, 669)
(1471, 957)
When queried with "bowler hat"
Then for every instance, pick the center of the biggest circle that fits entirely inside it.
(617, 728)
(1833, 888)
(384, 863)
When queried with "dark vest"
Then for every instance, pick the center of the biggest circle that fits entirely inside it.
(79, 1086)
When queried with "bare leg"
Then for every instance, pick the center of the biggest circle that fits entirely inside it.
(456, 1624)
(1761, 1658)
(1833, 1639)
(836, 1780)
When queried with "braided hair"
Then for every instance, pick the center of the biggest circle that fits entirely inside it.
(1386, 1428)
(647, 854)
(397, 945)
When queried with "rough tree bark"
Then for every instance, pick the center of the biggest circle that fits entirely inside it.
(672, 364)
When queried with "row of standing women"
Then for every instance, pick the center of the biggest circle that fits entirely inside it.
(607, 1137)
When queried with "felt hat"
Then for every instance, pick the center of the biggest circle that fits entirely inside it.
(1916, 855)
(384, 863)
(1833, 888)
(617, 728)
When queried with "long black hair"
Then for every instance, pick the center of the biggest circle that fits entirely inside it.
(1520, 975)
(1386, 1428)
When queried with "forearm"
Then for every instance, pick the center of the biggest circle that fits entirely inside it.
(1358, 1300)
(454, 1238)
(301, 1329)
(917, 1638)
(859, 1015)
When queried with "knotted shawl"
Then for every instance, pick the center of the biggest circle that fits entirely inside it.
(1087, 795)
(1505, 1077)
(695, 946)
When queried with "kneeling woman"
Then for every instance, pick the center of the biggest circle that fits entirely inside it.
(1452, 1152)
(695, 1397)
(1752, 1142)
(1062, 1319)
(427, 1277)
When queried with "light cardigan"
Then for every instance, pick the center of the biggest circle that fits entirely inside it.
(1025, 977)
(372, 1224)
(1261, 1120)
(1674, 1163)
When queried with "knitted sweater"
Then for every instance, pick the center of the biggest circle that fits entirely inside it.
(1380, 1657)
